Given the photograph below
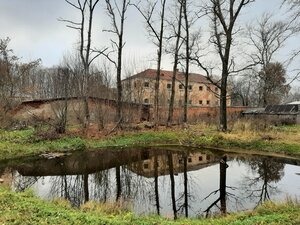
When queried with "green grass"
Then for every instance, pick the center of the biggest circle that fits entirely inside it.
(283, 140)
(24, 208)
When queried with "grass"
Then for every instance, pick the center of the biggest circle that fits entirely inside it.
(24, 208)
(281, 140)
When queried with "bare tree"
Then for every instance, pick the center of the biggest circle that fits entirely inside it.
(158, 34)
(223, 15)
(267, 38)
(86, 9)
(114, 11)
(60, 109)
(177, 35)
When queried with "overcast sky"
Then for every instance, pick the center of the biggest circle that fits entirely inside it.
(35, 31)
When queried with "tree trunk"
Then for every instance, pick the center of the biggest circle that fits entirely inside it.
(223, 168)
(187, 61)
(171, 170)
(177, 47)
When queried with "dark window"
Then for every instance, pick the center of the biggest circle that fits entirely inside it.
(200, 158)
(169, 86)
(180, 161)
(207, 102)
(190, 102)
(180, 86)
(200, 102)
(134, 84)
(189, 160)
(146, 166)
(190, 87)
(146, 84)
(200, 88)
(146, 100)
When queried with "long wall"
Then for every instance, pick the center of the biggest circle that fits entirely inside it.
(103, 110)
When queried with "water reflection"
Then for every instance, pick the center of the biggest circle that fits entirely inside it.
(164, 181)
(260, 186)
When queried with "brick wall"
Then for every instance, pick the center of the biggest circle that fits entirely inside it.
(103, 109)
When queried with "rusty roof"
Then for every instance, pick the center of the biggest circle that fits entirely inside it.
(167, 75)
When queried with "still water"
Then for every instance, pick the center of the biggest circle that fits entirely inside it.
(170, 182)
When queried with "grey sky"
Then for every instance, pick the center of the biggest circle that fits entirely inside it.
(35, 32)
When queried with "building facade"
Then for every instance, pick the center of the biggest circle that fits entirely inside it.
(140, 88)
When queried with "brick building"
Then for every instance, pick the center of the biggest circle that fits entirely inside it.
(139, 88)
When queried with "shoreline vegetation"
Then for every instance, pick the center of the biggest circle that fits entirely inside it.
(24, 208)
(275, 140)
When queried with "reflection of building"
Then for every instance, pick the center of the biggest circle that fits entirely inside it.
(139, 88)
(195, 161)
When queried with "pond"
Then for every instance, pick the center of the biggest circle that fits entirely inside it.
(171, 182)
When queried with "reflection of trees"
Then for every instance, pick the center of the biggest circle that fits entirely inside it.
(261, 186)
(73, 188)
(184, 206)
(102, 189)
(156, 185)
(21, 183)
(222, 189)
(171, 171)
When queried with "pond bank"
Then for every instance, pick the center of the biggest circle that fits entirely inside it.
(24, 208)
(277, 140)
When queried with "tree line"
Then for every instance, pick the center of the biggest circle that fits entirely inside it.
(210, 36)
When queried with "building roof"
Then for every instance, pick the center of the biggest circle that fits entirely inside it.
(167, 75)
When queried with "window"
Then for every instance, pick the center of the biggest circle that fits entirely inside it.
(189, 160)
(180, 161)
(200, 88)
(190, 102)
(146, 84)
(169, 86)
(200, 158)
(146, 100)
(146, 166)
(207, 102)
(190, 87)
(200, 102)
(180, 86)
(134, 84)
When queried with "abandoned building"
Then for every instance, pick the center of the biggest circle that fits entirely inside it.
(276, 114)
(139, 88)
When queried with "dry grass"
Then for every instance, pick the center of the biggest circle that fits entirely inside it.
(112, 208)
